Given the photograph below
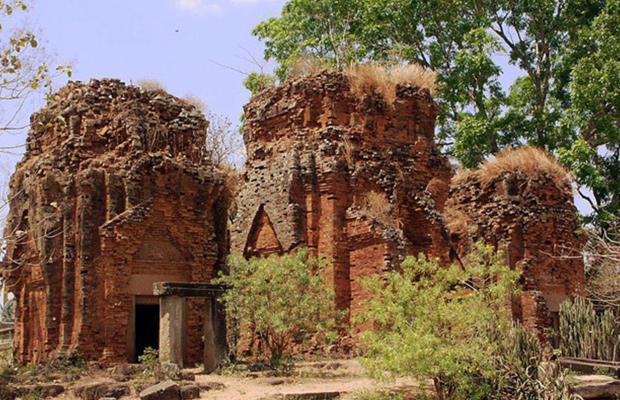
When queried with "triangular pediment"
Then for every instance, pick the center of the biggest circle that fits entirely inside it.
(157, 246)
(263, 239)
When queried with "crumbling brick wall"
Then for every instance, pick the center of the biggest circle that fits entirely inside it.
(112, 195)
(344, 175)
(530, 215)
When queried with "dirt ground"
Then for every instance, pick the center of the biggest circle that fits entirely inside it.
(347, 378)
(344, 376)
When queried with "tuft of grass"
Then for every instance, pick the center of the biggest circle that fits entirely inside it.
(376, 206)
(384, 80)
(370, 77)
(532, 161)
(457, 222)
(307, 66)
(196, 102)
(152, 85)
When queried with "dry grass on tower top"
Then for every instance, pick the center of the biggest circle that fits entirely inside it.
(366, 78)
(532, 161)
(372, 77)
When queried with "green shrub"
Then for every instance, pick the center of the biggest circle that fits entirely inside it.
(453, 326)
(430, 322)
(283, 299)
(150, 359)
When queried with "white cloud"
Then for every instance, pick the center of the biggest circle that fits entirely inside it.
(197, 5)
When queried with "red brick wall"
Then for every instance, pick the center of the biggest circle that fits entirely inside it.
(531, 216)
(114, 199)
(315, 150)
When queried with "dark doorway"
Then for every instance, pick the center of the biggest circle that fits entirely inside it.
(147, 327)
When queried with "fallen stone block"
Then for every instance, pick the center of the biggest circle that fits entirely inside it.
(52, 390)
(167, 390)
(189, 392)
(99, 390)
(597, 387)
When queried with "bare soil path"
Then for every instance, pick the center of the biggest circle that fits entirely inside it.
(344, 376)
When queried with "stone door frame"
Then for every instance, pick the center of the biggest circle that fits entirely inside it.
(173, 322)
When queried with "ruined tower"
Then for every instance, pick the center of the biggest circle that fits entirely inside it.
(522, 202)
(112, 195)
(354, 177)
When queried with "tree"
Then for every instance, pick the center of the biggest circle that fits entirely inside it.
(553, 105)
(284, 299)
(24, 66)
(224, 146)
(592, 123)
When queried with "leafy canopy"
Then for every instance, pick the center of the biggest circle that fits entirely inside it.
(565, 99)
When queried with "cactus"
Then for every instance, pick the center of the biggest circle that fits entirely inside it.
(587, 334)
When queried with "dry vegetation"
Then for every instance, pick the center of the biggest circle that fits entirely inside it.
(457, 222)
(530, 160)
(376, 206)
(308, 66)
(372, 77)
(152, 85)
(196, 102)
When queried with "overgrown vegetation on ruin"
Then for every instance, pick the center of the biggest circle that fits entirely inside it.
(375, 206)
(279, 302)
(451, 325)
(371, 77)
(531, 161)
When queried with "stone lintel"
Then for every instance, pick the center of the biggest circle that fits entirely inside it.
(188, 289)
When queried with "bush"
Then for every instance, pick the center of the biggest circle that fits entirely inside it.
(431, 322)
(453, 326)
(284, 299)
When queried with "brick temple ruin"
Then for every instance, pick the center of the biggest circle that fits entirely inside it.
(117, 224)
(359, 180)
(527, 211)
(112, 196)
(321, 164)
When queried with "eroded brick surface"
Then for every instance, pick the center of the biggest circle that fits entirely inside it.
(531, 216)
(316, 151)
(112, 195)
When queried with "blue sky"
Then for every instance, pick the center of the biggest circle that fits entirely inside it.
(181, 43)
(178, 42)
(173, 41)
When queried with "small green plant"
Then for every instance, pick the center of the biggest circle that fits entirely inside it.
(70, 364)
(150, 359)
(283, 299)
